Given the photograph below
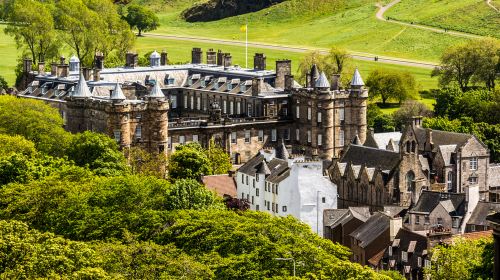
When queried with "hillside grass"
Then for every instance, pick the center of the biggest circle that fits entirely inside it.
(471, 16)
(314, 23)
(8, 56)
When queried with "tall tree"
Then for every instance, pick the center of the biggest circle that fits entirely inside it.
(189, 162)
(337, 61)
(33, 28)
(387, 85)
(220, 161)
(339, 58)
(141, 18)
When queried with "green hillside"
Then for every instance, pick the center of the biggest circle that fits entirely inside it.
(472, 16)
(8, 55)
(350, 24)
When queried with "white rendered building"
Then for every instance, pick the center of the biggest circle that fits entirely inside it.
(280, 185)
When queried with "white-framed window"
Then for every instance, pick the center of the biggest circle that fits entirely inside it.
(169, 142)
(185, 101)
(320, 117)
(309, 136)
(449, 180)
(297, 112)
(473, 180)
(233, 137)
(417, 219)
(229, 86)
(404, 256)
(286, 133)
(390, 251)
(173, 101)
(472, 228)
(427, 263)
(231, 107)
(341, 110)
(138, 131)
(198, 103)
(320, 139)
(224, 107)
(249, 110)
(191, 103)
(247, 136)
(195, 138)
(473, 163)
(283, 209)
(309, 113)
(238, 108)
(182, 139)
(419, 262)
(274, 136)
(454, 222)
(243, 88)
(256, 190)
(341, 137)
(118, 135)
(297, 134)
(261, 135)
(427, 220)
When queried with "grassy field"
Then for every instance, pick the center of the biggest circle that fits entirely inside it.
(317, 23)
(472, 16)
(8, 55)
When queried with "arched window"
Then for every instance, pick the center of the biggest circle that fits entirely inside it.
(413, 146)
(408, 146)
(410, 181)
(449, 181)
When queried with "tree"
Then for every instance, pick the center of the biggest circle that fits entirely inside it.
(190, 194)
(147, 164)
(16, 144)
(189, 162)
(408, 110)
(3, 84)
(34, 28)
(220, 161)
(400, 86)
(141, 18)
(339, 58)
(97, 152)
(35, 121)
(474, 61)
(336, 62)
(379, 121)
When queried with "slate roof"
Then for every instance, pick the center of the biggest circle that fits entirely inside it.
(81, 90)
(221, 184)
(262, 168)
(282, 151)
(156, 92)
(376, 225)
(482, 210)
(429, 200)
(360, 213)
(330, 216)
(441, 137)
(251, 167)
(117, 93)
(279, 170)
(356, 79)
(375, 260)
(446, 151)
(314, 72)
(322, 81)
(382, 139)
(371, 157)
(411, 242)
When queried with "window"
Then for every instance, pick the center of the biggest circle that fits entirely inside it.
(252, 199)
(417, 220)
(272, 188)
(242, 195)
(390, 251)
(419, 262)
(283, 209)
(198, 103)
(185, 101)
(308, 136)
(449, 181)
(341, 111)
(204, 104)
(191, 103)
(323, 199)
(455, 222)
(297, 112)
(138, 131)
(195, 138)
(427, 220)
(276, 189)
(118, 135)
(472, 180)
(319, 117)
(238, 108)
(273, 135)
(268, 206)
(171, 81)
(404, 256)
(427, 263)
(410, 181)
(173, 101)
(247, 136)
(341, 137)
(182, 139)
(246, 179)
(224, 107)
(473, 163)
(277, 207)
(273, 207)
(440, 221)
(297, 134)
(243, 88)
(257, 207)
(231, 108)
(203, 83)
(309, 113)
(261, 135)
(229, 86)
(233, 137)
(249, 110)
(169, 143)
(243, 179)
(286, 133)
(472, 227)
(256, 190)
(253, 184)
(320, 139)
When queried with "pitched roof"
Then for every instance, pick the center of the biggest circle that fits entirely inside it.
(221, 184)
(282, 152)
(454, 203)
(375, 260)
(441, 137)
(263, 168)
(356, 79)
(331, 216)
(482, 210)
(356, 140)
(117, 93)
(411, 242)
(279, 170)
(361, 213)
(376, 225)
(156, 92)
(446, 151)
(383, 139)
(371, 157)
(314, 72)
(250, 168)
(82, 90)
(322, 81)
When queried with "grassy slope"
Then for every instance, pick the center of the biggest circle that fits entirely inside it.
(472, 16)
(8, 55)
(347, 23)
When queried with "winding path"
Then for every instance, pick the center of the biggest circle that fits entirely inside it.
(488, 2)
(355, 55)
(383, 9)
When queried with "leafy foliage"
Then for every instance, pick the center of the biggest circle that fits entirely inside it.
(337, 61)
(147, 164)
(141, 18)
(379, 121)
(3, 84)
(408, 110)
(190, 194)
(220, 161)
(387, 85)
(16, 144)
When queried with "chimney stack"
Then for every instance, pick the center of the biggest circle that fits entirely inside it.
(164, 58)
(196, 55)
(131, 60)
(53, 69)
(259, 61)
(41, 68)
(220, 58)
(99, 60)
(428, 140)
(211, 57)
(283, 68)
(228, 60)
(417, 121)
(395, 224)
(62, 60)
(63, 70)
(257, 85)
(86, 73)
(97, 74)
(289, 82)
(27, 64)
(336, 82)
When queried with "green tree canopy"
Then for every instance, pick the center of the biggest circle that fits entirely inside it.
(387, 85)
(190, 194)
(337, 61)
(141, 18)
(189, 162)
(3, 84)
(379, 121)
(220, 161)
(35, 121)
(97, 152)
(408, 110)
(16, 144)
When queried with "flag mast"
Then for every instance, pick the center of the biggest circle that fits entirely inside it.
(246, 44)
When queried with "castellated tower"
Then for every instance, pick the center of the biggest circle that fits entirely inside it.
(355, 110)
(156, 121)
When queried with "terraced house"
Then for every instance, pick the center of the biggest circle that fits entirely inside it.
(161, 106)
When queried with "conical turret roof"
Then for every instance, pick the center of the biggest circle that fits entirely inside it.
(356, 79)
(263, 168)
(314, 73)
(117, 94)
(282, 152)
(322, 82)
(156, 92)
(82, 90)
(356, 140)
(154, 54)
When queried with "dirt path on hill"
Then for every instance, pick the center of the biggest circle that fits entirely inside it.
(488, 2)
(355, 55)
(383, 9)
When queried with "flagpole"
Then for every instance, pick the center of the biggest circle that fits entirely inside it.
(246, 44)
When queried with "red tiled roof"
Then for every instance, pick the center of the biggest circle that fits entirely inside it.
(375, 260)
(477, 235)
(221, 184)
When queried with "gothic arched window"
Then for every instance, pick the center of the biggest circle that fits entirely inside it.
(410, 181)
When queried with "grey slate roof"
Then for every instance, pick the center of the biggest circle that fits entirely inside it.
(276, 170)
(429, 200)
(314, 72)
(356, 140)
(263, 168)
(117, 93)
(279, 170)
(441, 137)
(482, 210)
(410, 242)
(383, 139)
(322, 82)
(376, 225)
(446, 151)
(156, 92)
(82, 89)
(356, 79)
(360, 213)
(251, 167)
(330, 216)
(282, 151)
(371, 157)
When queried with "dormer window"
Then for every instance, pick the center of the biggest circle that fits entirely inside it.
(203, 83)
(190, 82)
(171, 81)
(243, 88)
(229, 87)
